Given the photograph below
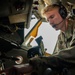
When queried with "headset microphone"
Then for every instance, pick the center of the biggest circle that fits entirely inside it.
(57, 24)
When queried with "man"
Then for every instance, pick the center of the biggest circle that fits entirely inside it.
(62, 61)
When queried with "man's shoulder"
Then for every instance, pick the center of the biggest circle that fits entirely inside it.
(71, 22)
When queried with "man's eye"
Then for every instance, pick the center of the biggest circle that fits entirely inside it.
(52, 16)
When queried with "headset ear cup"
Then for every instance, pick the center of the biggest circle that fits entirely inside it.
(62, 11)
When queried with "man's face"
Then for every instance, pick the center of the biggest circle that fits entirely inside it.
(54, 18)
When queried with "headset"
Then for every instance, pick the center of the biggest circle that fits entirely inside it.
(62, 10)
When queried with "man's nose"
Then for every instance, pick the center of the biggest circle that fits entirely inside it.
(50, 21)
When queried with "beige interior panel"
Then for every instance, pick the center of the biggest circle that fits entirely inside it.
(17, 18)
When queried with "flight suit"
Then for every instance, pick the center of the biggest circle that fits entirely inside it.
(62, 61)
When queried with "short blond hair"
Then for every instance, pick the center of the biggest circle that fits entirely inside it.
(47, 9)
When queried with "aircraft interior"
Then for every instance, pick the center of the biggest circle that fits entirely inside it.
(15, 16)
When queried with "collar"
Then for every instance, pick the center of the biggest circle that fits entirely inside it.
(69, 32)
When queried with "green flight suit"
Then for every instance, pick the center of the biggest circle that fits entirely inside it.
(63, 55)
